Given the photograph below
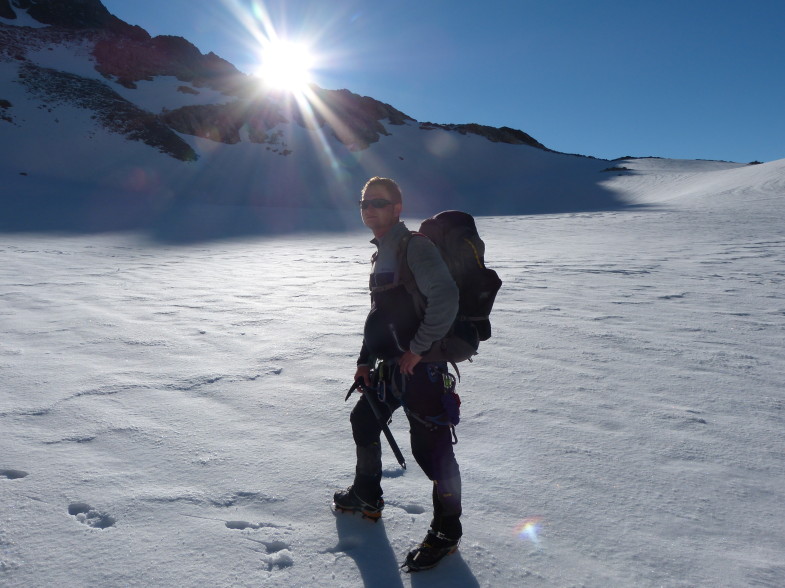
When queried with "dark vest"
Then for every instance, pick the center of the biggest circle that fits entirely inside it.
(394, 318)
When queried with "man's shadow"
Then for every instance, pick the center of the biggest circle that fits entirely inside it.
(452, 572)
(367, 544)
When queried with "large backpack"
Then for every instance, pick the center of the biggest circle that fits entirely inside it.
(455, 235)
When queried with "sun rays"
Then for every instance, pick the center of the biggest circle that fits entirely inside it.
(285, 53)
(286, 66)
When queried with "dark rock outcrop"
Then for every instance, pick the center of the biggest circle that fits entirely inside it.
(5, 107)
(136, 58)
(222, 122)
(6, 11)
(493, 134)
(112, 111)
(76, 14)
(355, 120)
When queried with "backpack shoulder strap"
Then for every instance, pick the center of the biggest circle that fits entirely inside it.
(405, 275)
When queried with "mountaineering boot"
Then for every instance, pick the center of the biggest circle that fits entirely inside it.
(349, 501)
(430, 552)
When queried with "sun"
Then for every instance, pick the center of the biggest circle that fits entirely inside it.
(286, 66)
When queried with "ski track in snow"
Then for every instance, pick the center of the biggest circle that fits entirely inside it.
(182, 407)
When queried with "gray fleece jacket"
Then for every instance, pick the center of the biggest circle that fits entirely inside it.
(433, 281)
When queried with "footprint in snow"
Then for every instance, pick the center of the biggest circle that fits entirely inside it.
(243, 525)
(279, 559)
(89, 516)
(13, 474)
(408, 507)
(412, 508)
(277, 554)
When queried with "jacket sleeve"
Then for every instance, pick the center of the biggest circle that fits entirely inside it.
(437, 286)
(364, 357)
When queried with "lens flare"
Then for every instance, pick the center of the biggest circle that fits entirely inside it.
(529, 529)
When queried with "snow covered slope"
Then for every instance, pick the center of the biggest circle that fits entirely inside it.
(655, 181)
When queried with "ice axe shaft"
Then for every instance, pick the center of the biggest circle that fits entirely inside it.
(370, 397)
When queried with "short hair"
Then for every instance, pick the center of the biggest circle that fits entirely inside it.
(393, 189)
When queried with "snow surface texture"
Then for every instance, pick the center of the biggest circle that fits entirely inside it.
(174, 416)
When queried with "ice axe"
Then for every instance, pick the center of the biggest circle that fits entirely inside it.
(370, 397)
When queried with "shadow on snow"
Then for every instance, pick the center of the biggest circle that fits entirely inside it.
(367, 544)
(30, 207)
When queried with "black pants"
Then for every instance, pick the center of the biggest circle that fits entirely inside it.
(421, 394)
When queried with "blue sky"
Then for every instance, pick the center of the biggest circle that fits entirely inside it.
(691, 79)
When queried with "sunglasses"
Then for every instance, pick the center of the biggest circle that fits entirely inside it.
(375, 202)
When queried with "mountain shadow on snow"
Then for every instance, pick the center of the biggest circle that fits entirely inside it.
(84, 209)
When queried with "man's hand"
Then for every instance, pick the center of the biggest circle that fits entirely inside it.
(364, 372)
(408, 361)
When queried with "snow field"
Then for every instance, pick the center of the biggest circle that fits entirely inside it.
(174, 415)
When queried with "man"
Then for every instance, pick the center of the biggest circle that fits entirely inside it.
(393, 365)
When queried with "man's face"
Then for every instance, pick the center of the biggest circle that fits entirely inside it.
(382, 219)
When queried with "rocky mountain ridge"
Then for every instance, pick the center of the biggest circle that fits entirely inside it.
(71, 14)
(126, 55)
